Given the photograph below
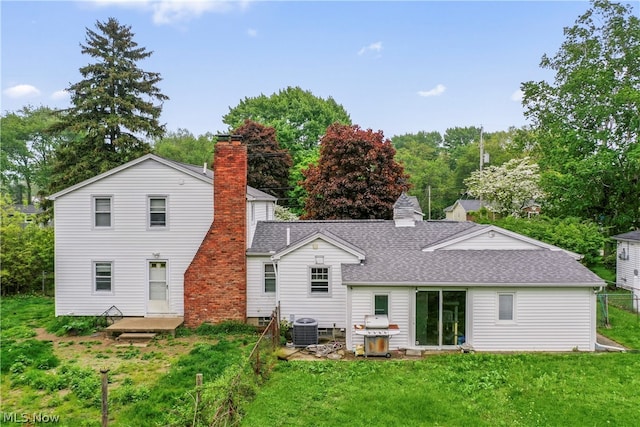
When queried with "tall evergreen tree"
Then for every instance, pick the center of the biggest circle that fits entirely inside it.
(116, 107)
(356, 176)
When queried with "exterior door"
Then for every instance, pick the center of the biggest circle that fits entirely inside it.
(440, 318)
(158, 288)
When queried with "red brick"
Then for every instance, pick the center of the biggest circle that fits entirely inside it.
(215, 282)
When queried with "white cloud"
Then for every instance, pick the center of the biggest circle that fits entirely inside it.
(176, 11)
(251, 32)
(22, 91)
(59, 95)
(517, 95)
(436, 91)
(373, 47)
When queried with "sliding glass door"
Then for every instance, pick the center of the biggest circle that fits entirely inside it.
(440, 318)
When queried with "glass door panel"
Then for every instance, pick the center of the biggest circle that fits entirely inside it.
(440, 318)
(453, 315)
(427, 318)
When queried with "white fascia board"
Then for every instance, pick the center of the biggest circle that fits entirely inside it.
(128, 165)
(322, 236)
(505, 232)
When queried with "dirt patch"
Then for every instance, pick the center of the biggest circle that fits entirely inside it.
(101, 351)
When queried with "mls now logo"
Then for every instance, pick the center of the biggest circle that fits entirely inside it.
(24, 418)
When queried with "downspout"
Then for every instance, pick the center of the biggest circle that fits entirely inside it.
(275, 268)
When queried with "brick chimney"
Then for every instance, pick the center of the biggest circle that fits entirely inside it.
(215, 282)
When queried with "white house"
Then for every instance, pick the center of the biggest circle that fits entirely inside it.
(141, 237)
(462, 208)
(442, 282)
(125, 237)
(628, 263)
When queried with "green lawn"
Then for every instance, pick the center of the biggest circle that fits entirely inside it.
(454, 390)
(154, 386)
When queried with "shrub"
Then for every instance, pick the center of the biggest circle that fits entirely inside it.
(76, 325)
(225, 327)
(31, 353)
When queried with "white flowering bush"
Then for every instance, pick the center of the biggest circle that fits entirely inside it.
(507, 188)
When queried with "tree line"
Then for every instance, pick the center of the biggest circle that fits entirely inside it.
(580, 157)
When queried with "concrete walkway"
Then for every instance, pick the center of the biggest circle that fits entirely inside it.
(146, 324)
(601, 339)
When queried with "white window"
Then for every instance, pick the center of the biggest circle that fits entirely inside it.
(269, 278)
(319, 283)
(506, 307)
(102, 212)
(157, 212)
(103, 276)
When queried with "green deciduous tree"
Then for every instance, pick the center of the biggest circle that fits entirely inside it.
(508, 188)
(587, 121)
(27, 149)
(571, 233)
(26, 251)
(268, 165)
(356, 177)
(183, 146)
(299, 117)
(116, 107)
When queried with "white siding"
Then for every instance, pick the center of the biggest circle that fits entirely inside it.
(362, 304)
(545, 320)
(484, 241)
(259, 303)
(257, 211)
(293, 285)
(628, 270)
(129, 243)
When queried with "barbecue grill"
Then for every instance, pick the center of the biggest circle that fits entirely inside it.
(376, 332)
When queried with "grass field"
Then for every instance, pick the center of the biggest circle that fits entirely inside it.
(46, 375)
(454, 390)
(154, 386)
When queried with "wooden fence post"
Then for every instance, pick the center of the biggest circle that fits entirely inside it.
(105, 400)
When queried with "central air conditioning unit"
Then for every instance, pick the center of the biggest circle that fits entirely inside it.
(305, 332)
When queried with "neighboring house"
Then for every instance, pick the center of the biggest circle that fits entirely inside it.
(462, 208)
(28, 213)
(124, 237)
(628, 263)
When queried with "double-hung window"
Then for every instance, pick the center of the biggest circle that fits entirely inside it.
(319, 280)
(102, 212)
(103, 276)
(269, 278)
(157, 212)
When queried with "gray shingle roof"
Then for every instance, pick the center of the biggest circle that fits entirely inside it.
(631, 235)
(394, 255)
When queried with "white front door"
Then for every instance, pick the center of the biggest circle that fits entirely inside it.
(158, 288)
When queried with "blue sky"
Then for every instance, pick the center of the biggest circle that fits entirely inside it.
(399, 67)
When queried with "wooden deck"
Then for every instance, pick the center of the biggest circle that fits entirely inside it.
(161, 325)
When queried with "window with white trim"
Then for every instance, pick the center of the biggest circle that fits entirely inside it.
(269, 278)
(506, 307)
(319, 280)
(102, 212)
(381, 304)
(103, 276)
(157, 212)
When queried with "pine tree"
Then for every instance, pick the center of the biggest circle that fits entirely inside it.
(356, 176)
(115, 107)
